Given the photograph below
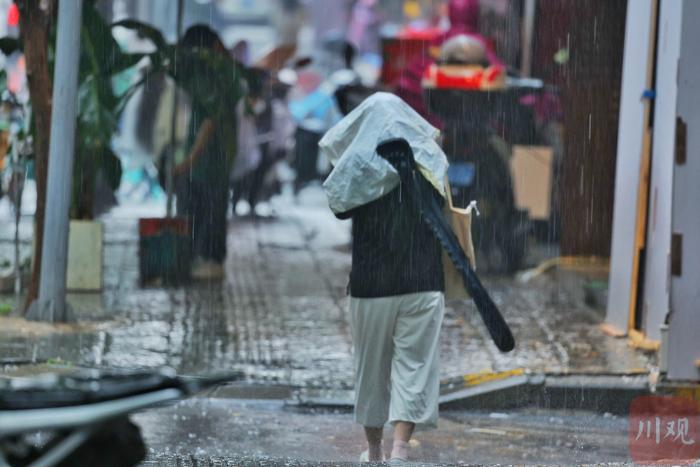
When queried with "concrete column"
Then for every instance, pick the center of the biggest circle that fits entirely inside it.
(51, 305)
(655, 303)
(635, 120)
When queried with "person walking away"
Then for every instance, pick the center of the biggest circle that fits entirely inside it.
(396, 306)
(201, 180)
(396, 283)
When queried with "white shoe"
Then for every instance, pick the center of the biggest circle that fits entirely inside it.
(207, 270)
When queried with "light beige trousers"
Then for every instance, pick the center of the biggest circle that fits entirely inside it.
(396, 356)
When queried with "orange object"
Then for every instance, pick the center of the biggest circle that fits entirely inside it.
(427, 34)
(399, 53)
(464, 77)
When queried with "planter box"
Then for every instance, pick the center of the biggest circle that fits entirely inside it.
(85, 244)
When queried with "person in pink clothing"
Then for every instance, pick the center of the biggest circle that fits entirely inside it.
(363, 30)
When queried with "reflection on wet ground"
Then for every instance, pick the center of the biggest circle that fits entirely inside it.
(236, 432)
(280, 314)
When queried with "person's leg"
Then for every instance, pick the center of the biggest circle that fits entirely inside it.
(257, 177)
(197, 218)
(236, 190)
(209, 229)
(372, 322)
(183, 206)
(374, 443)
(241, 189)
(218, 225)
(415, 373)
(402, 435)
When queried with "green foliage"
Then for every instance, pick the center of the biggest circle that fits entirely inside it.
(214, 82)
(98, 109)
(5, 309)
(98, 106)
(144, 30)
(59, 362)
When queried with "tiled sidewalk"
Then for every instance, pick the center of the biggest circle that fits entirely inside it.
(280, 314)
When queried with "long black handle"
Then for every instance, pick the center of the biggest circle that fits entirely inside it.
(419, 191)
(490, 314)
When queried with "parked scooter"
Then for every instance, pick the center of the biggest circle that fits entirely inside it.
(82, 419)
(474, 99)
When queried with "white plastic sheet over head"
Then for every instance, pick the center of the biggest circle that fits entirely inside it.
(360, 175)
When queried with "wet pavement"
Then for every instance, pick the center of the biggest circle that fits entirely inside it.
(234, 432)
(280, 318)
(280, 314)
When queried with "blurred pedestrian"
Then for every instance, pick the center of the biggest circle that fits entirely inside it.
(363, 30)
(248, 156)
(201, 180)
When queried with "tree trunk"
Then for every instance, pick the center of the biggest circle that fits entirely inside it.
(35, 27)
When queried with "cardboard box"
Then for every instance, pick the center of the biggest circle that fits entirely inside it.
(531, 168)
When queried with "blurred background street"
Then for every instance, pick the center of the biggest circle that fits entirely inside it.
(178, 257)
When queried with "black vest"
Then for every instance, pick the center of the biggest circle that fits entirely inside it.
(394, 252)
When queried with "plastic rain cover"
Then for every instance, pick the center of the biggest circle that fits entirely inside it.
(360, 175)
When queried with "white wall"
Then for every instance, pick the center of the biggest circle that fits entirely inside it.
(684, 332)
(629, 151)
(657, 273)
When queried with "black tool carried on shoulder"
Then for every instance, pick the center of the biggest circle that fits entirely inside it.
(418, 190)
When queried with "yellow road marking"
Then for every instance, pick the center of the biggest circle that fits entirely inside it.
(488, 376)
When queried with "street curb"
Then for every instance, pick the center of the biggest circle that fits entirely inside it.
(243, 390)
(506, 391)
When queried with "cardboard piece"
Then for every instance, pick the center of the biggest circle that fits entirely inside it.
(531, 168)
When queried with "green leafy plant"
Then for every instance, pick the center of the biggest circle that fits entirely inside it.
(99, 106)
(226, 80)
(98, 110)
(5, 309)
(58, 362)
